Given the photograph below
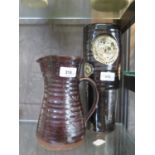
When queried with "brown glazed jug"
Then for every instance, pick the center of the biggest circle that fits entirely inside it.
(61, 123)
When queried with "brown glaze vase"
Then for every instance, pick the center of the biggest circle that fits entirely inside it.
(61, 124)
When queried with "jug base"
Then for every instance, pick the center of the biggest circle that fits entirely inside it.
(58, 147)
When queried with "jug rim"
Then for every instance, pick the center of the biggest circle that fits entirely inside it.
(60, 57)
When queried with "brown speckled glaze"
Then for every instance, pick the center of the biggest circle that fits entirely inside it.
(61, 124)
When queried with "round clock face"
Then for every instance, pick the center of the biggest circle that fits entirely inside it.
(105, 49)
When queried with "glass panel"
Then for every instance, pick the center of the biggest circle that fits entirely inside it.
(73, 9)
(117, 142)
(131, 114)
(130, 69)
(129, 73)
(37, 41)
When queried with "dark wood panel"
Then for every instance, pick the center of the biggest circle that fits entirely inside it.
(129, 82)
(127, 19)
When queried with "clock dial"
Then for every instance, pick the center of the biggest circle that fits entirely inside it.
(105, 49)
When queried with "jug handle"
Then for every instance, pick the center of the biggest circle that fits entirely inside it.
(96, 99)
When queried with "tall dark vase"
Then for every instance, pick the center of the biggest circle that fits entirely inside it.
(101, 49)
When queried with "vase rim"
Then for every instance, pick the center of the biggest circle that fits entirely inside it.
(60, 57)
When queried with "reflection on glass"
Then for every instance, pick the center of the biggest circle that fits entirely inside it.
(132, 48)
(109, 5)
(74, 9)
(35, 3)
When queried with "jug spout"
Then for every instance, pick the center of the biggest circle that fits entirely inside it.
(38, 60)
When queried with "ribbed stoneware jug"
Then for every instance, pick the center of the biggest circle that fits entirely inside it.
(61, 124)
